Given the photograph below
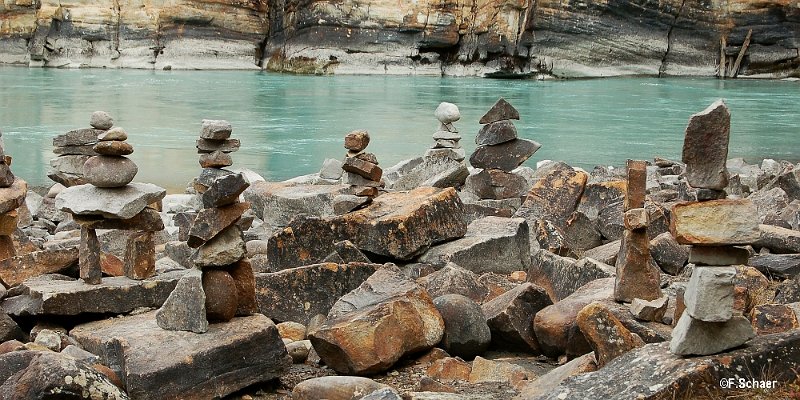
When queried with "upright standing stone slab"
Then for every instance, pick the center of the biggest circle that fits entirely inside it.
(89, 257)
(185, 308)
(705, 147)
(637, 184)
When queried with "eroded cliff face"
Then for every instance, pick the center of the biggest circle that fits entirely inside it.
(565, 38)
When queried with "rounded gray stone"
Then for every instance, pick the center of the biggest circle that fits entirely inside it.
(109, 171)
(101, 120)
(447, 113)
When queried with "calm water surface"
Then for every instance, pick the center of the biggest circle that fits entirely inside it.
(289, 124)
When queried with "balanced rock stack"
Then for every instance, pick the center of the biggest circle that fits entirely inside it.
(74, 148)
(110, 201)
(214, 147)
(709, 324)
(222, 285)
(447, 137)
(362, 172)
(638, 276)
(498, 153)
(12, 194)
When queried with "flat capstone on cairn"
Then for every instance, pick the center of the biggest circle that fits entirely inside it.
(713, 226)
(361, 173)
(12, 194)
(498, 153)
(447, 137)
(638, 276)
(222, 284)
(110, 201)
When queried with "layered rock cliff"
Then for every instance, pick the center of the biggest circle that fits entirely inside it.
(565, 38)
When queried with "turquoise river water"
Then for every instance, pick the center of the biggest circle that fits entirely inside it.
(289, 124)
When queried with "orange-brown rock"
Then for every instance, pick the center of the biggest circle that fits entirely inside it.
(140, 256)
(715, 222)
(15, 270)
(605, 333)
(404, 224)
(554, 197)
(773, 318)
(221, 295)
(243, 276)
(449, 369)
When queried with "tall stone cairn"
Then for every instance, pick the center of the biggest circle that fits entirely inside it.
(499, 152)
(709, 324)
(361, 170)
(638, 276)
(108, 199)
(447, 138)
(12, 194)
(222, 284)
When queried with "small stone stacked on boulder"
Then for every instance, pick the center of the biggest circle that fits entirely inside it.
(709, 324)
(499, 152)
(74, 148)
(110, 201)
(361, 172)
(12, 194)
(222, 285)
(447, 137)
(214, 147)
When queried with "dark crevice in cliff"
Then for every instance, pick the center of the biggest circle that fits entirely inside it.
(662, 70)
(115, 34)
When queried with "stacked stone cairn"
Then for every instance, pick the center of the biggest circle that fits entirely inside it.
(447, 137)
(74, 148)
(110, 201)
(499, 152)
(222, 284)
(638, 276)
(12, 194)
(361, 170)
(214, 147)
(713, 226)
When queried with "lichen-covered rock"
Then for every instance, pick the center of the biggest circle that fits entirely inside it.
(562, 276)
(605, 333)
(705, 147)
(554, 197)
(306, 241)
(652, 372)
(715, 222)
(298, 294)
(44, 373)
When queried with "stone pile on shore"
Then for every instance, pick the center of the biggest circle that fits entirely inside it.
(110, 201)
(447, 137)
(75, 147)
(221, 286)
(12, 195)
(584, 280)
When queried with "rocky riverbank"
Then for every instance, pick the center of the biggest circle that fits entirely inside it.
(447, 276)
(491, 38)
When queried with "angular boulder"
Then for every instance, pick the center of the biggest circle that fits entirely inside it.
(505, 156)
(605, 333)
(510, 317)
(225, 359)
(466, 333)
(562, 276)
(454, 279)
(15, 270)
(115, 295)
(404, 224)
(554, 197)
(373, 326)
(779, 240)
(298, 294)
(306, 241)
(491, 244)
(652, 372)
(555, 326)
(278, 203)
